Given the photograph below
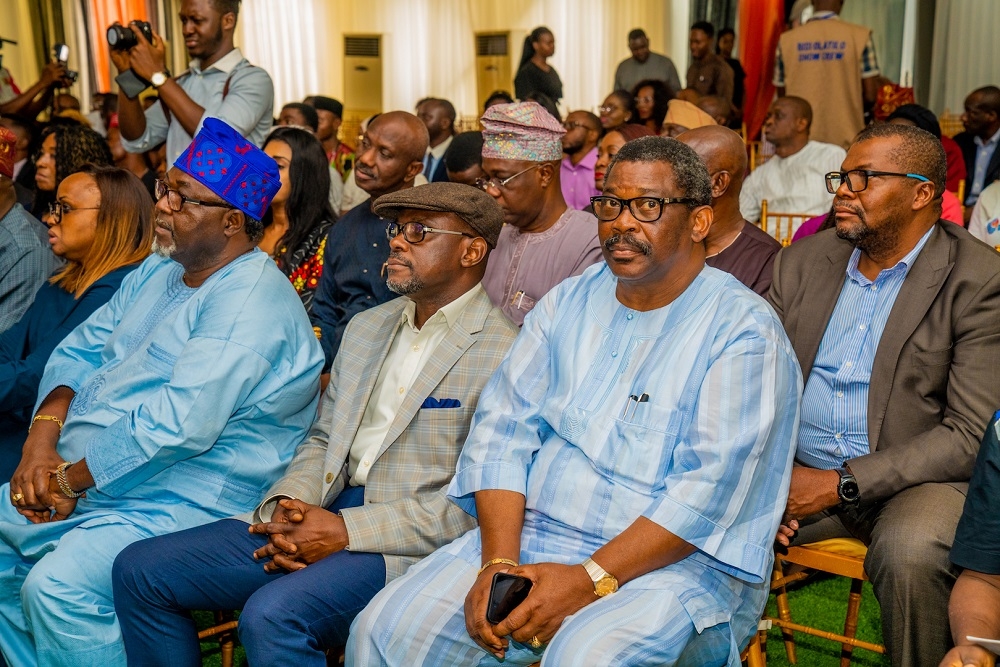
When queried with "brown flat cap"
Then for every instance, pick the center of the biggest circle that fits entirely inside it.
(479, 210)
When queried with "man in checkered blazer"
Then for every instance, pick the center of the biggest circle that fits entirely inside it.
(365, 495)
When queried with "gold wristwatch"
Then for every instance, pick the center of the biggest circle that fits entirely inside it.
(604, 583)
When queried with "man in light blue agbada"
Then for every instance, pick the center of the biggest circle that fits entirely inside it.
(177, 403)
(630, 457)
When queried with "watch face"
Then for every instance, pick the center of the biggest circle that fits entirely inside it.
(849, 490)
(606, 586)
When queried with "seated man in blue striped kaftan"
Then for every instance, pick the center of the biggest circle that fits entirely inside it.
(177, 403)
(631, 457)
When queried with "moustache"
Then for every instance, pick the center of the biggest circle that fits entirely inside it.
(629, 240)
(397, 256)
(841, 204)
(364, 170)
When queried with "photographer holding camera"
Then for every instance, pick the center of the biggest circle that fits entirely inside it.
(32, 101)
(219, 81)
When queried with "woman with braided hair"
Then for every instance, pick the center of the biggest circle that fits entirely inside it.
(66, 147)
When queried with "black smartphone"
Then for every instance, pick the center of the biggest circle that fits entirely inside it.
(506, 592)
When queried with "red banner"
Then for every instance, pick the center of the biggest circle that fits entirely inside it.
(761, 24)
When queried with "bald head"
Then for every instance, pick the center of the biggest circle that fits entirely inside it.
(717, 107)
(720, 149)
(391, 153)
(828, 5)
(408, 133)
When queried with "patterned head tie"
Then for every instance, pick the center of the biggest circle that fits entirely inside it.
(232, 167)
(521, 131)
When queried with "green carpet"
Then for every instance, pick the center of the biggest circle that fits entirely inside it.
(821, 603)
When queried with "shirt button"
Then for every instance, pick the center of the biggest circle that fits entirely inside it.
(840, 394)
(614, 354)
(874, 288)
(862, 327)
(369, 298)
(416, 348)
(849, 364)
(374, 245)
(329, 477)
(401, 390)
(629, 316)
(364, 270)
(366, 463)
(838, 436)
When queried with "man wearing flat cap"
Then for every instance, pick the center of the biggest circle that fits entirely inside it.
(544, 241)
(364, 497)
(173, 405)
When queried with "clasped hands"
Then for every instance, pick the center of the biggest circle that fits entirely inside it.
(557, 591)
(34, 492)
(299, 534)
(812, 490)
(145, 58)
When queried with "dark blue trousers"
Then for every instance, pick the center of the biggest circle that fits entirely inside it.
(287, 619)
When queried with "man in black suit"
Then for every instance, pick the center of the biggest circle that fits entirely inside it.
(439, 117)
(979, 141)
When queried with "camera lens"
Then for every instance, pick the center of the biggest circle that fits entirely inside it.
(121, 38)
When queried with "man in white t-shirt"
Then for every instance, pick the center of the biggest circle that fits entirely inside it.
(985, 221)
(793, 180)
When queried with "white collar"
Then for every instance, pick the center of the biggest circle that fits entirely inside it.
(224, 64)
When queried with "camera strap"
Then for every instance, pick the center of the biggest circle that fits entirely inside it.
(186, 73)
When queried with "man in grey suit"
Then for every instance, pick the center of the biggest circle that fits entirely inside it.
(895, 319)
(364, 496)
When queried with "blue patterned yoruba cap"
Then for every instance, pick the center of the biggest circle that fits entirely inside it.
(232, 167)
(521, 131)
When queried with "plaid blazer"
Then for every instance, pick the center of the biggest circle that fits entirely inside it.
(406, 514)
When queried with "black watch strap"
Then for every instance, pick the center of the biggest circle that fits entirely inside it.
(847, 489)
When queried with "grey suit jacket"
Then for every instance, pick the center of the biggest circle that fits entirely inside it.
(934, 381)
(406, 513)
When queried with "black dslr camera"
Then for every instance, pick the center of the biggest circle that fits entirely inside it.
(121, 38)
(61, 53)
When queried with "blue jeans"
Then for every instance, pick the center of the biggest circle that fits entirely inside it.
(287, 619)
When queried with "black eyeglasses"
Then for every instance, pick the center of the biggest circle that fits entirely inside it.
(643, 209)
(487, 184)
(176, 201)
(857, 179)
(58, 209)
(413, 232)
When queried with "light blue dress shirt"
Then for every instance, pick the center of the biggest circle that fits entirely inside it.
(248, 105)
(835, 402)
(984, 154)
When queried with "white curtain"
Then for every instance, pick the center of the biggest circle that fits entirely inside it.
(286, 38)
(885, 18)
(428, 45)
(965, 48)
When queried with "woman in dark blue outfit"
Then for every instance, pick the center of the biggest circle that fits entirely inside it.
(101, 224)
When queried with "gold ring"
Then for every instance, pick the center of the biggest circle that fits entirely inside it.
(534, 643)
(17, 497)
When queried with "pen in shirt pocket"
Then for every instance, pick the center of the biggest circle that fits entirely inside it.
(634, 402)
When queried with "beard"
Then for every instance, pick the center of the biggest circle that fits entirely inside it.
(876, 242)
(407, 286)
(164, 250)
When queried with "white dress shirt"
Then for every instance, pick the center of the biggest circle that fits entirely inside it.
(409, 351)
(794, 184)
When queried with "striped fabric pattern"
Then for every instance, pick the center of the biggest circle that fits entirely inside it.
(25, 262)
(835, 401)
(706, 455)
